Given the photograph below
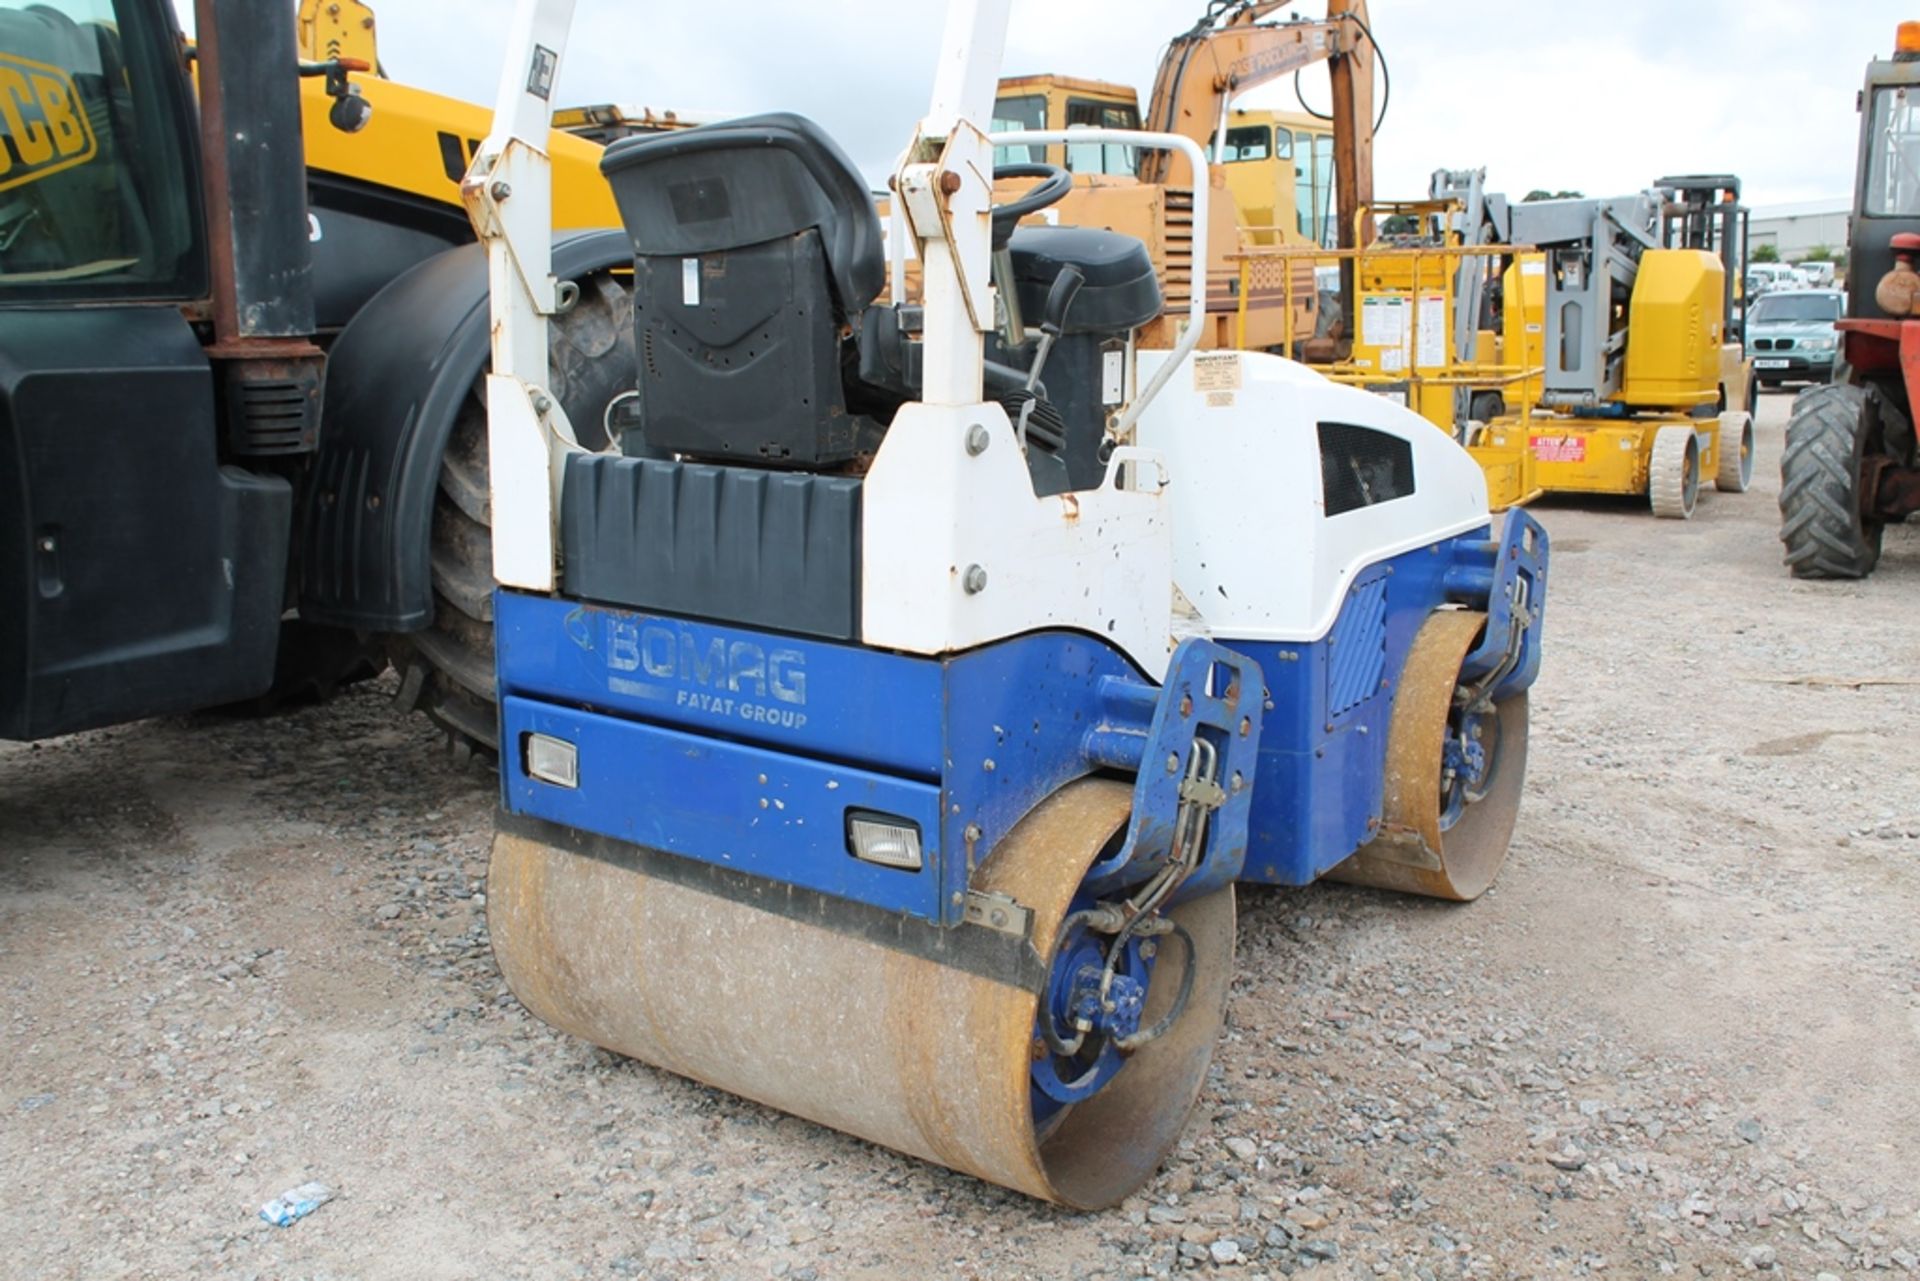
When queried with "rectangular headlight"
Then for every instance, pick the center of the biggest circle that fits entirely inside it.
(552, 760)
(884, 839)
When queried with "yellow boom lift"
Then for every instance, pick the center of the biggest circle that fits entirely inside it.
(1609, 333)
(1644, 390)
(1424, 335)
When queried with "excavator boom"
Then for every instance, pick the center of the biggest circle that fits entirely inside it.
(1234, 49)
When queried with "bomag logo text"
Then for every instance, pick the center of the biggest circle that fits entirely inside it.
(720, 675)
(45, 127)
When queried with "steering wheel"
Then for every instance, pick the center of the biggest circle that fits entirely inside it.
(1058, 182)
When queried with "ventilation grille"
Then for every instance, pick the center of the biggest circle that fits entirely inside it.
(1357, 647)
(1177, 280)
(269, 416)
(1361, 467)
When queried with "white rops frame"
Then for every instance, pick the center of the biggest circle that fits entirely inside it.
(958, 551)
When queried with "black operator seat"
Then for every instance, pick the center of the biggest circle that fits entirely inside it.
(756, 244)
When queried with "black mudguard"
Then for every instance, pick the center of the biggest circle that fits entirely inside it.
(396, 381)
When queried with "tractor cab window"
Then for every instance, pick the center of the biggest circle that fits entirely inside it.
(1098, 157)
(1893, 152)
(98, 195)
(1019, 115)
(1247, 142)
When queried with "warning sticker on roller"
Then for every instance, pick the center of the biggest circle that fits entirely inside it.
(1559, 449)
(1216, 371)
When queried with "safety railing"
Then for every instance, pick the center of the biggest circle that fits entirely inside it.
(1197, 303)
(1418, 270)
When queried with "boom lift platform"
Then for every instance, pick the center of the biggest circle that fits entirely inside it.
(1645, 391)
(885, 730)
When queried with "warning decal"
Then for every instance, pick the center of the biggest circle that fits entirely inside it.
(1559, 449)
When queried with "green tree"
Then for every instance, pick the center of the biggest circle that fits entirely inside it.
(1765, 253)
(1819, 253)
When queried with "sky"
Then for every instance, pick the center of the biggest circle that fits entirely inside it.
(1598, 96)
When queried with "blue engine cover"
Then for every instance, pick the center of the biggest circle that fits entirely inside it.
(752, 751)
(1321, 780)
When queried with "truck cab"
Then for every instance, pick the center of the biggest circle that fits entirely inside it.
(1061, 102)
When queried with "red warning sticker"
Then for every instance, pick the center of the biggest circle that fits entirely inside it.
(1559, 449)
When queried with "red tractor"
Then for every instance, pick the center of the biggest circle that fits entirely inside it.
(1850, 467)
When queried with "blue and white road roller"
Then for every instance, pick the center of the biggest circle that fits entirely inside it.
(887, 721)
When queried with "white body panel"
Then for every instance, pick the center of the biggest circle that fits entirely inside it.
(1099, 561)
(508, 192)
(945, 185)
(1253, 547)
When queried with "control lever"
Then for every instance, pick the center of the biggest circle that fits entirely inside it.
(1053, 321)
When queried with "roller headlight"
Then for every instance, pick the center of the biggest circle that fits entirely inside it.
(884, 839)
(552, 760)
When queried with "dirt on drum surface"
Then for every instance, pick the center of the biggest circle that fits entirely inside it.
(1680, 1037)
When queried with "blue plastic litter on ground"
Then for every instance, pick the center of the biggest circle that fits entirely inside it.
(295, 1204)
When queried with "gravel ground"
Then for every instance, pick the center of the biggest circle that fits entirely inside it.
(1679, 1038)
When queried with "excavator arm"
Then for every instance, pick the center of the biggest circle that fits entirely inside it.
(1234, 48)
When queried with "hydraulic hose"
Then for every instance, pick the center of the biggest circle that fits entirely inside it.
(1128, 1044)
(1386, 80)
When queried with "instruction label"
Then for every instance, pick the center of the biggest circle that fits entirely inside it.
(1433, 332)
(1215, 371)
(1383, 322)
(1559, 449)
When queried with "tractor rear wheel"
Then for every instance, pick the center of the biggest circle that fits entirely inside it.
(446, 670)
(1834, 429)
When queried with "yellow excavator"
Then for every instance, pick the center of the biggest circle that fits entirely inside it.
(1260, 163)
(1278, 164)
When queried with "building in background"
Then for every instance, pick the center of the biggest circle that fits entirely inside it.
(1794, 230)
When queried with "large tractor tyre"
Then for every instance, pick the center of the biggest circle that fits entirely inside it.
(446, 670)
(1833, 431)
